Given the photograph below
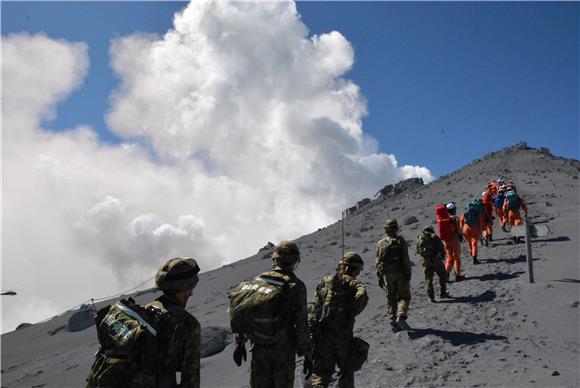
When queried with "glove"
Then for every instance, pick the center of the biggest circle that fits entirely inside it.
(382, 283)
(307, 368)
(240, 353)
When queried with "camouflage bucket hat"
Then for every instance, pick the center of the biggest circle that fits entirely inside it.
(286, 252)
(178, 274)
(391, 225)
(353, 259)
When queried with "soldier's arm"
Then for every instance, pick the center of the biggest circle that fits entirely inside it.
(302, 338)
(406, 260)
(379, 264)
(360, 298)
(190, 367)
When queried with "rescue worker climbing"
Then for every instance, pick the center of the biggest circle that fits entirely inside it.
(487, 232)
(511, 207)
(471, 222)
(453, 246)
(432, 252)
(394, 266)
(339, 298)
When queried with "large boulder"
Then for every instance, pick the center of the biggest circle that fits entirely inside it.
(214, 340)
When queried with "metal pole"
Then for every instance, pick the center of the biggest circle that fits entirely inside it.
(529, 256)
(342, 227)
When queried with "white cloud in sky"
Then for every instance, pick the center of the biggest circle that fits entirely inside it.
(238, 128)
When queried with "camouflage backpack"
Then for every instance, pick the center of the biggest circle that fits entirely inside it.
(131, 349)
(337, 301)
(512, 200)
(429, 246)
(390, 252)
(258, 307)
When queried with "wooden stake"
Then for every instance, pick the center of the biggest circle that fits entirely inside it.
(529, 256)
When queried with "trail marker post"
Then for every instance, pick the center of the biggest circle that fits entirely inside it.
(529, 257)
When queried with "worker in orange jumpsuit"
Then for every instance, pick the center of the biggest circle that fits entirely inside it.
(511, 209)
(486, 197)
(472, 230)
(453, 246)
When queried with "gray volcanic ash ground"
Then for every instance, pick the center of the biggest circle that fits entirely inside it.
(497, 330)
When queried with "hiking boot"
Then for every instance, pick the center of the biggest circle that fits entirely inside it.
(486, 241)
(459, 278)
(475, 261)
(395, 328)
(445, 294)
(490, 237)
(503, 228)
(402, 323)
(431, 297)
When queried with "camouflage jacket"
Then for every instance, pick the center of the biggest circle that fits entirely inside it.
(297, 313)
(351, 298)
(183, 352)
(390, 260)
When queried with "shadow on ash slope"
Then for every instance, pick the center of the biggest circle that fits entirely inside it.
(498, 329)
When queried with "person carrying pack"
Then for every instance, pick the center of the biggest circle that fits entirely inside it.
(487, 216)
(271, 312)
(471, 222)
(432, 253)
(511, 207)
(453, 245)
(394, 266)
(145, 347)
(339, 298)
(498, 201)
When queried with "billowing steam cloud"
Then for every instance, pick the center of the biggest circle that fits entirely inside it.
(238, 128)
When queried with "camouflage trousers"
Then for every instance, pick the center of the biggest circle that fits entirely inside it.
(273, 366)
(332, 348)
(398, 296)
(433, 266)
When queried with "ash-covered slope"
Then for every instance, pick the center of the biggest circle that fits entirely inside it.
(498, 330)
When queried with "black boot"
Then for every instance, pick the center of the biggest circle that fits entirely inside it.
(445, 294)
(431, 296)
(490, 237)
(486, 241)
(475, 261)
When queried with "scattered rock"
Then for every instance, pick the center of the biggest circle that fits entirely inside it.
(574, 304)
(333, 243)
(410, 220)
(23, 326)
(214, 340)
(555, 373)
(548, 203)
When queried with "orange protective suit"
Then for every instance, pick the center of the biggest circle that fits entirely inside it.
(471, 233)
(453, 248)
(514, 217)
(488, 215)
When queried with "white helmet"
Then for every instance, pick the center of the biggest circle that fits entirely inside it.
(451, 206)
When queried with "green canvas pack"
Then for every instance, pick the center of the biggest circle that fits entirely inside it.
(131, 352)
(337, 303)
(358, 354)
(512, 200)
(258, 307)
(428, 246)
(390, 253)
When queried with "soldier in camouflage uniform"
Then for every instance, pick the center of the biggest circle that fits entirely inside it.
(394, 265)
(432, 252)
(338, 299)
(274, 365)
(178, 339)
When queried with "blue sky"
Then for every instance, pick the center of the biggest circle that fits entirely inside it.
(461, 77)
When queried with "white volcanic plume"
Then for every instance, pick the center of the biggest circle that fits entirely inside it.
(237, 128)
